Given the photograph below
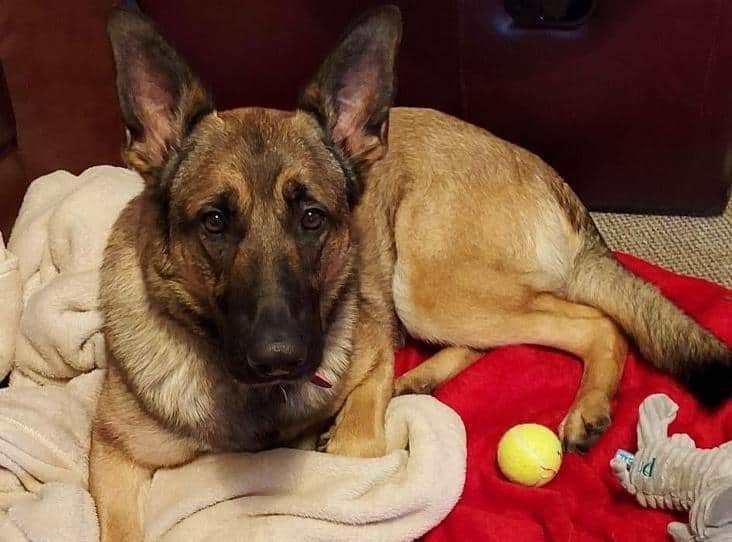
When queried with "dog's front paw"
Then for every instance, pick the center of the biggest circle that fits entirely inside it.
(585, 423)
(352, 441)
(356, 447)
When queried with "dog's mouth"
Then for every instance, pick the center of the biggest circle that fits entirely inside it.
(281, 377)
(316, 379)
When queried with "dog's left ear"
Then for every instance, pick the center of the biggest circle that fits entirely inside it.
(354, 88)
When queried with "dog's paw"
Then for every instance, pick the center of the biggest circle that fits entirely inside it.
(356, 447)
(585, 423)
(409, 385)
(352, 441)
(341, 443)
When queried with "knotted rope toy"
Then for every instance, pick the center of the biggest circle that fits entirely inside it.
(671, 473)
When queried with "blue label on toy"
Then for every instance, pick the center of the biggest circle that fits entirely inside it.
(626, 457)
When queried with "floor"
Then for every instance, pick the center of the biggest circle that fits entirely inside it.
(698, 246)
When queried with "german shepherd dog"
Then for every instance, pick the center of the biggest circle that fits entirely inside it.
(256, 289)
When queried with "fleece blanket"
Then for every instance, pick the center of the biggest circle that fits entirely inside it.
(11, 303)
(58, 240)
(51, 340)
(585, 502)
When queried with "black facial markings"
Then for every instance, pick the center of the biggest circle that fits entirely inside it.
(286, 279)
(177, 155)
(257, 144)
(242, 290)
(354, 183)
(294, 191)
(313, 109)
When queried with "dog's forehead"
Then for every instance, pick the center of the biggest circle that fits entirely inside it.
(268, 133)
(253, 153)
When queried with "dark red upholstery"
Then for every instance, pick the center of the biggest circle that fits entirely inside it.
(633, 109)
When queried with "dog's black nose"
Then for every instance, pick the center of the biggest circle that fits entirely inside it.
(273, 343)
(277, 354)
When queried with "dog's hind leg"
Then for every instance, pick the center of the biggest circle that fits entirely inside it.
(440, 368)
(598, 341)
(540, 319)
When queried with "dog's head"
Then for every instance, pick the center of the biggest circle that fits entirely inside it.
(252, 229)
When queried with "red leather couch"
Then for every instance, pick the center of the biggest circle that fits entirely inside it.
(633, 107)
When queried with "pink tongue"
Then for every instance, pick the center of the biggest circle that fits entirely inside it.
(320, 381)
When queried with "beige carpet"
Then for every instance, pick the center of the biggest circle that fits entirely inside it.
(698, 246)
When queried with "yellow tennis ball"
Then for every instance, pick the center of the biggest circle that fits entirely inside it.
(529, 454)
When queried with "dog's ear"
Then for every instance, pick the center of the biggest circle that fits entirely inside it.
(354, 88)
(160, 98)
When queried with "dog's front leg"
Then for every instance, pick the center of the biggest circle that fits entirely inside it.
(116, 483)
(359, 427)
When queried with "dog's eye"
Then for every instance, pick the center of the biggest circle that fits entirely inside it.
(214, 222)
(313, 219)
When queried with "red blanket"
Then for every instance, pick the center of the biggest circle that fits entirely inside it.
(584, 502)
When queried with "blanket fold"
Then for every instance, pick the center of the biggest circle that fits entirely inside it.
(59, 239)
(10, 307)
(328, 498)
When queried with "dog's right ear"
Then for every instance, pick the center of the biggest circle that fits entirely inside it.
(160, 98)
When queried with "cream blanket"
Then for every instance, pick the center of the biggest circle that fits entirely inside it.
(51, 341)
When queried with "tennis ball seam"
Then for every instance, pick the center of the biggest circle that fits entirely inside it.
(532, 453)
